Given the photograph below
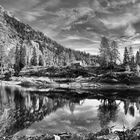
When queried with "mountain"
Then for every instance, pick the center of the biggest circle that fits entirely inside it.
(23, 45)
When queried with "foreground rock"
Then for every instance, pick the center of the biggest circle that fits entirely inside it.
(119, 80)
(104, 134)
(38, 82)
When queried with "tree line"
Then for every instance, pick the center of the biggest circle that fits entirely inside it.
(22, 60)
(53, 53)
(25, 32)
(129, 58)
(109, 55)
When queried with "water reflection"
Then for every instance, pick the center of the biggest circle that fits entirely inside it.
(108, 110)
(129, 107)
(19, 109)
(22, 111)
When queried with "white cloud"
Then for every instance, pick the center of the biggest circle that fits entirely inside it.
(52, 3)
(122, 20)
(18, 5)
(31, 15)
(136, 42)
(130, 31)
(64, 15)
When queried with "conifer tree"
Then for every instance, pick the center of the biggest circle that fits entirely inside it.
(41, 63)
(132, 62)
(104, 51)
(22, 56)
(131, 57)
(2, 56)
(114, 55)
(137, 58)
(126, 59)
(131, 52)
(34, 58)
(17, 60)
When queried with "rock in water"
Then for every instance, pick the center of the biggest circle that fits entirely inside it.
(57, 137)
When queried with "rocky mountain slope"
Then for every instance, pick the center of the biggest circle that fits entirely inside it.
(20, 41)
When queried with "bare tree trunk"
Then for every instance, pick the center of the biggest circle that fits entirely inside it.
(1, 66)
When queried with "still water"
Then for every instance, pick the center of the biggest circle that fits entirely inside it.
(24, 112)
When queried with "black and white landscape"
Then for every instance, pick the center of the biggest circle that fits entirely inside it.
(70, 69)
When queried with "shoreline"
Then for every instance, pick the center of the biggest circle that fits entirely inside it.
(45, 83)
(103, 134)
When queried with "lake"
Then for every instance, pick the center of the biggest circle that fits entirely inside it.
(31, 112)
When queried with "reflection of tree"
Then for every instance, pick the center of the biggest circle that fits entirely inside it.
(132, 111)
(4, 98)
(138, 104)
(126, 106)
(25, 109)
(72, 107)
(107, 112)
(82, 102)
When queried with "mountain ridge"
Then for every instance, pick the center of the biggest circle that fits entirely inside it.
(22, 37)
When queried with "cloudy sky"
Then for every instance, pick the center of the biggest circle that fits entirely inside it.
(80, 24)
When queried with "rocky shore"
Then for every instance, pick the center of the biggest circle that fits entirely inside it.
(71, 83)
(104, 134)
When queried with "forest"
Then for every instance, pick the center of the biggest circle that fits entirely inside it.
(35, 51)
(50, 49)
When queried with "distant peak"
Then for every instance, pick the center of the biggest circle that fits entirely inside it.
(2, 10)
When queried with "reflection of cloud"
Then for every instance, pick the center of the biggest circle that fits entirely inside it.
(84, 118)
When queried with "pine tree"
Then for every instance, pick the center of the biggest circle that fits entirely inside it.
(138, 70)
(104, 52)
(17, 60)
(23, 62)
(137, 58)
(20, 58)
(131, 57)
(130, 52)
(132, 62)
(2, 56)
(41, 63)
(126, 59)
(34, 58)
(72, 57)
(114, 55)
